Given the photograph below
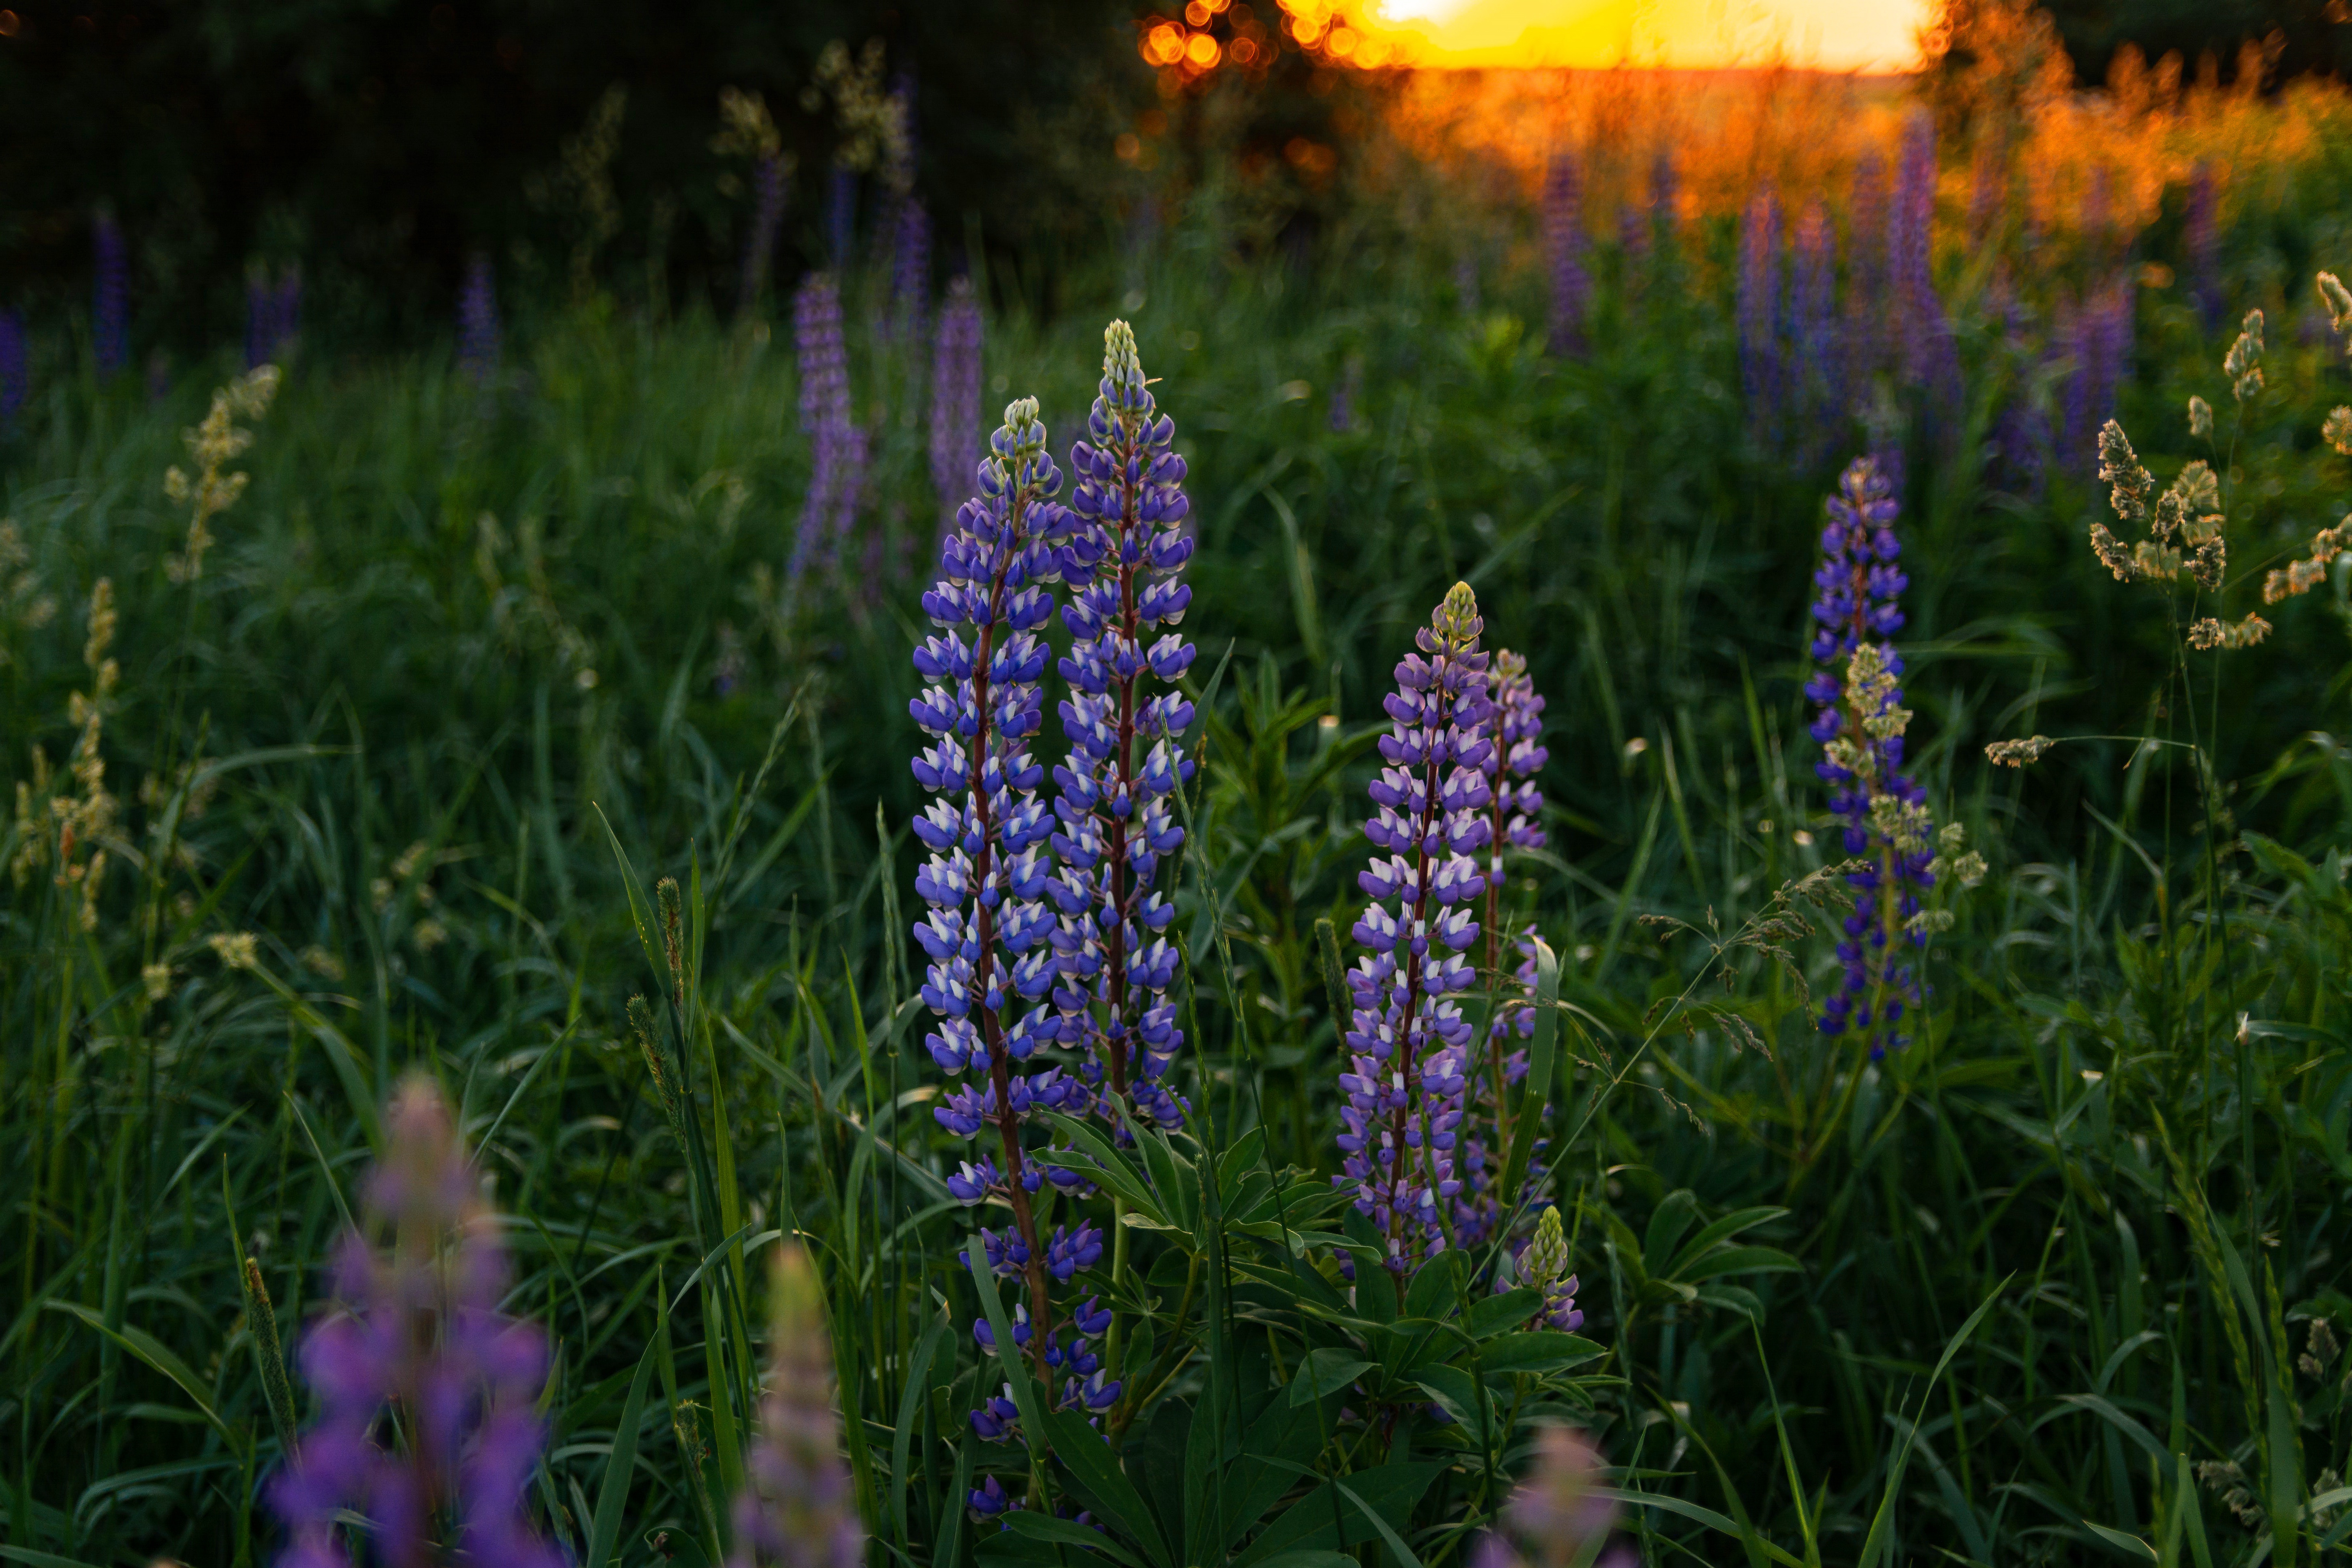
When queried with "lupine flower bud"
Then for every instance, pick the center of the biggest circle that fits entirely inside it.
(110, 313)
(417, 1330)
(1543, 1263)
(1860, 724)
(797, 1508)
(1402, 1127)
(1125, 719)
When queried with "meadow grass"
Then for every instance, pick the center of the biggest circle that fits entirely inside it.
(468, 673)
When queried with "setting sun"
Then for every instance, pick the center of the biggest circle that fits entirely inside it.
(1688, 34)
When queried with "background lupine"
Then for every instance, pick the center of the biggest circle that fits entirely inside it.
(1127, 748)
(2095, 336)
(478, 322)
(273, 314)
(1410, 1048)
(988, 934)
(1564, 243)
(1923, 327)
(1816, 360)
(798, 1507)
(2200, 241)
(910, 268)
(955, 397)
(1761, 373)
(838, 447)
(1866, 300)
(109, 310)
(417, 1332)
(1860, 724)
(15, 385)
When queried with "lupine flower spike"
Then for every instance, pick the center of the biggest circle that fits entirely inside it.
(1408, 1045)
(987, 930)
(1563, 223)
(797, 1508)
(416, 1330)
(13, 388)
(1127, 750)
(1543, 1264)
(837, 444)
(477, 322)
(1514, 803)
(110, 313)
(1860, 724)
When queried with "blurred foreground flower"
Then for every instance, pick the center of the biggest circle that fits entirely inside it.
(797, 1508)
(1560, 1516)
(427, 1428)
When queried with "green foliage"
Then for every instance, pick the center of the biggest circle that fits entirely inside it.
(487, 717)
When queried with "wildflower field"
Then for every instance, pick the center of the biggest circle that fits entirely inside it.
(1620, 862)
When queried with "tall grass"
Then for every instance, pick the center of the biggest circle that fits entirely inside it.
(443, 728)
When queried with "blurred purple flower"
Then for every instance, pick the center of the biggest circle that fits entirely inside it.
(1559, 1512)
(109, 314)
(15, 386)
(910, 268)
(798, 1507)
(273, 314)
(955, 398)
(838, 447)
(1867, 305)
(2200, 244)
(1761, 372)
(1819, 363)
(416, 1331)
(478, 322)
(1564, 243)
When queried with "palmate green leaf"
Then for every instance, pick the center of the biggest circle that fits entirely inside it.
(1107, 1167)
(1323, 1518)
(1736, 1260)
(1540, 1351)
(1325, 1371)
(1492, 1315)
(1710, 1236)
(1082, 1451)
(1675, 1214)
(1067, 1532)
(1454, 1392)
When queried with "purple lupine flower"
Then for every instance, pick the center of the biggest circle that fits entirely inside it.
(1408, 1044)
(273, 314)
(1561, 1515)
(1922, 328)
(417, 1329)
(15, 386)
(797, 1508)
(1868, 305)
(1860, 724)
(988, 932)
(478, 322)
(910, 268)
(2097, 332)
(955, 397)
(768, 193)
(2200, 244)
(837, 447)
(1761, 371)
(110, 313)
(1564, 243)
(1812, 313)
(1127, 747)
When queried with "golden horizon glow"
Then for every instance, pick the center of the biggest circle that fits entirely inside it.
(1867, 36)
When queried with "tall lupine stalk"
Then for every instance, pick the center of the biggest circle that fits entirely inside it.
(955, 397)
(1515, 756)
(1761, 373)
(798, 1507)
(1410, 1061)
(110, 306)
(838, 447)
(1817, 365)
(14, 385)
(1860, 724)
(1922, 328)
(988, 934)
(416, 1331)
(1126, 742)
(1867, 302)
(1564, 243)
(478, 322)
(273, 314)
(910, 268)
(2097, 340)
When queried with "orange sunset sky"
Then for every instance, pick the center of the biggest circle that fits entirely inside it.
(1832, 35)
